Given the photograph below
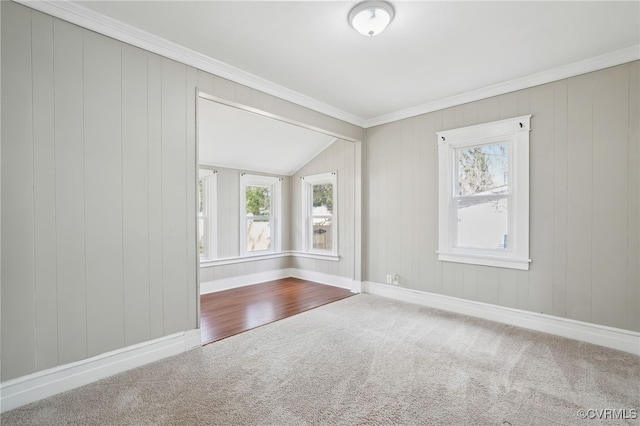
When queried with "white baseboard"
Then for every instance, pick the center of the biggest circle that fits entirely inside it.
(328, 279)
(250, 279)
(242, 280)
(33, 387)
(615, 338)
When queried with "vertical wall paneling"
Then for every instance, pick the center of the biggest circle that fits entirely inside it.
(18, 277)
(190, 190)
(103, 193)
(579, 197)
(541, 196)
(609, 199)
(339, 157)
(584, 160)
(174, 197)
(395, 248)
(135, 202)
(408, 208)
(44, 191)
(154, 196)
(633, 196)
(560, 193)
(70, 205)
(524, 292)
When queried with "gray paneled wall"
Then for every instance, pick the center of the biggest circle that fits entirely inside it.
(339, 157)
(98, 194)
(584, 216)
(98, 190)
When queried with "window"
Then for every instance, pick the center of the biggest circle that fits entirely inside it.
(319, 196)
(484, 194)
(207, 189)
(259, 214)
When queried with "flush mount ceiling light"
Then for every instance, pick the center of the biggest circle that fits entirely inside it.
(371, 17)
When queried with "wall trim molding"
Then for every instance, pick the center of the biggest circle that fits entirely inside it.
(607, 60)
(242, 280)
(328, 279)
(89, 19)
(611, 337)
(276, 274)
(42, 384)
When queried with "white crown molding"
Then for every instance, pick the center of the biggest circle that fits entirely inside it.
(566, 71)
(43, 384)
(89, 19)
(610, 337)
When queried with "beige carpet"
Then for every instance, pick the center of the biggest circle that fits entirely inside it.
(362, 360)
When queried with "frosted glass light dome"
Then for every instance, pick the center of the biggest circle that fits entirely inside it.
(371, 17)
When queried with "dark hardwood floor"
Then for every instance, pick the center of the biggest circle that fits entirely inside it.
(229, 312)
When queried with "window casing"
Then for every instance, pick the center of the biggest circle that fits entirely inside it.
(319, 210)
(207, 192)
(259, 214)
(484, 194)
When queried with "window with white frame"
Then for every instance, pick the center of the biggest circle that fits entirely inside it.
(484, 194)
(259, 214)
(319, 209)
(207, 190)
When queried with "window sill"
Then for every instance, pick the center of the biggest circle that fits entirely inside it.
(252, 258)
(485, 260)
(242, 259)
(315, 255)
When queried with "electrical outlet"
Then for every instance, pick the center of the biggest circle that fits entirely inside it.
(395, 279)
(389, 278)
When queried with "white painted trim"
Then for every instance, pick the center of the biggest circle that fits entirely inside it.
(514, 132)
(316, 256)
(250, 279)
(33, 387)
(242, 280)
(328, 279)
(615, 338)
(208, 263)
(607, 60)
(86, 18)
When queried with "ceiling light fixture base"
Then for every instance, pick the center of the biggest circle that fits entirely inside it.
(370, 18)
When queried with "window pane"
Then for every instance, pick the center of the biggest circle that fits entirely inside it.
(258, 200)
(482, 223)
(201, 248)
(322, 233)
(483, 169)
(201, 199)
(258, 234)
(323, 199)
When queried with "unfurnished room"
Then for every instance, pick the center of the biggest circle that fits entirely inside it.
(319, 212)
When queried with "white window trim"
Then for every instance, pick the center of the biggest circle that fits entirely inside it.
(516, 132)
(307, 238)
(258, 180)
(211, 193)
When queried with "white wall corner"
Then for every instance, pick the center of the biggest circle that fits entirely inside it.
(328, 279)
(611, 337)
(43, 384)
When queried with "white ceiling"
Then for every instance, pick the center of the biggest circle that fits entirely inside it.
(239, 139)
(432, 51)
